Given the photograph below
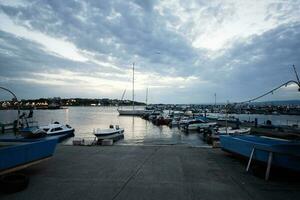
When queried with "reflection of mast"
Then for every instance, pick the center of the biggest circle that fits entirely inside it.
(133, 86)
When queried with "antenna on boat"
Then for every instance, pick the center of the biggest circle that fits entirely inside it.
(132, 86)
(147, 96)
(226, 110)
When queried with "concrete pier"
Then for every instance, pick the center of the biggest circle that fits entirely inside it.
(148, 172)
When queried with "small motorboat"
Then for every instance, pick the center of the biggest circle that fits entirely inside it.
(113, 132)
(58, 129)
(231, 131)
(197, 124)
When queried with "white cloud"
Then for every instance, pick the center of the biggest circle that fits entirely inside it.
(215, 24)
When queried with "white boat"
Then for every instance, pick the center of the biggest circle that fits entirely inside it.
(58, 129)
(113, 132)
(183, 121)
(195, 124)
(133, 112)
(198, 124)
(231, 131)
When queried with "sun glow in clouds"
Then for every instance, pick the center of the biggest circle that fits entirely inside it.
(54, 45)
(215, 24)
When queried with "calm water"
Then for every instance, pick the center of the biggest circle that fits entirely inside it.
(137, 130)
(85, 119)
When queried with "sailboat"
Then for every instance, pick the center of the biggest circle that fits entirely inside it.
(133, 111)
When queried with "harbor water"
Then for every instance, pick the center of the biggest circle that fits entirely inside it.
(85, 119)
(137, 130)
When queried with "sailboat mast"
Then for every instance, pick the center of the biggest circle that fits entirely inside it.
(147, 96)
(133, 86)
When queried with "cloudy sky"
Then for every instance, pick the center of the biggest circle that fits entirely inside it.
(185, 51)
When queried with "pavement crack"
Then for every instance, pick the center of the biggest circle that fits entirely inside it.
(135, 173)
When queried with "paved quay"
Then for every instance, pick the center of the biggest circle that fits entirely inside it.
(148, 172)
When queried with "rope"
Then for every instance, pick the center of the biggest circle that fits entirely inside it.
(270, 92)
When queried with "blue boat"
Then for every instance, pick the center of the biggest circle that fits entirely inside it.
(18, 153)
(274, 151)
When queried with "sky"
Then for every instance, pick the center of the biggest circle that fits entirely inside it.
(184, 51)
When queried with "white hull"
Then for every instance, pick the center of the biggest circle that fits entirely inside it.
(111, 136)
(234, 131)
(57, 129)
(132, 112)
(111, 133)
(201, 125)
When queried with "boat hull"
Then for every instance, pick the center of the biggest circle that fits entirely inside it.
(113, 135)
(286, 154)
(68, 133)
(133, 112)
(16, 152)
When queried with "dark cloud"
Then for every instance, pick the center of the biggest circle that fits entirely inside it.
(122, 32)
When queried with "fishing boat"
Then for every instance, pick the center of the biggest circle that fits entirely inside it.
(275, 151)
(113, 132)
(58, 129)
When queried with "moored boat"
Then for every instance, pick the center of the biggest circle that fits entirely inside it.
(113, 132)
(230, 131)
(18, 153)
(285, 153)
(197, 123)
(133, 112)
(58, 129)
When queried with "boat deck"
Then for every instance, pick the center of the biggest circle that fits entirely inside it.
(150, 172)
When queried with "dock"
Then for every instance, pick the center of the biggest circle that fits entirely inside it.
(148, 172)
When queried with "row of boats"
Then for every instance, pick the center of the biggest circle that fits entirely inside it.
(267, 148)
(114, 132)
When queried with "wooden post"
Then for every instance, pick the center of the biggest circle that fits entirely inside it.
(250, 159)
